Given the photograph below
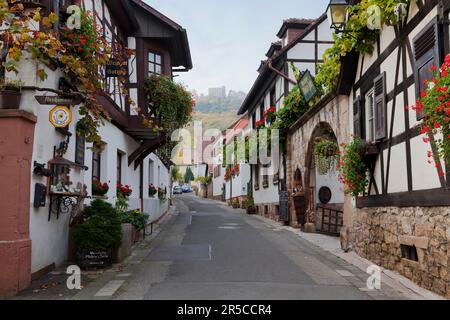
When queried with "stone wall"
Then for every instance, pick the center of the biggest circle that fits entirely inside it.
(299, 147)
(378, 233)
(268, 210)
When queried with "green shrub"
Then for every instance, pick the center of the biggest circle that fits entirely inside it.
(136, 218)
(101, 229)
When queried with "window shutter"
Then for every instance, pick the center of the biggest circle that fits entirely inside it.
(426, 54)
(380, 107)
(357, 117)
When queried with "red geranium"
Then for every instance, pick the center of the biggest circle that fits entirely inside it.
(434, 104)
(125, 190)
(98, 188)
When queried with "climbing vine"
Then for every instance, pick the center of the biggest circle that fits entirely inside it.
(78, 53)
(366, 18)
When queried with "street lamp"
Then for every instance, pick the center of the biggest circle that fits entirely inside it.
(337, 14)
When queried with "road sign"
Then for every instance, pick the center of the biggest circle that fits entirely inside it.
(58, 100)
(60, 116)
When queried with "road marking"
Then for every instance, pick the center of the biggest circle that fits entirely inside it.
(210, 250)
(233, 224)
(228, 228)
(124, 275)
(110, 288)
(345, 273)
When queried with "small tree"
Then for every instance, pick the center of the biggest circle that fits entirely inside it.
(188, 176)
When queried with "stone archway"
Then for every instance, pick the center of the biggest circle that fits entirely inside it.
(315, 181)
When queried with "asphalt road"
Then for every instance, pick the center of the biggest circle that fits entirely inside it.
(212, 252)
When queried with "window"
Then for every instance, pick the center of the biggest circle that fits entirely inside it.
(154, 63)
(119, 167)
(426, 54)
(370, 116)
(357, 121)
(272, 98)
(151, 172)
(96, 165)
(261, 111)
(409, 252)
(254, 121)
(80, 148)
(257, 174)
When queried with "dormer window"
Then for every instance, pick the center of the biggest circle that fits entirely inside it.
(155, 65)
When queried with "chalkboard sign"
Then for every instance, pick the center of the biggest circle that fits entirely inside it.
(80, 147)
(284, 206)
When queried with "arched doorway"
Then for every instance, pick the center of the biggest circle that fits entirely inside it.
(324, 193)
(299, 198)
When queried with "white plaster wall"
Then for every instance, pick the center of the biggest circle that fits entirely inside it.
(424, 175)
(331, 181)
(240, 183)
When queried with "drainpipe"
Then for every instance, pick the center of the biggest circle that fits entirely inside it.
(269, 65)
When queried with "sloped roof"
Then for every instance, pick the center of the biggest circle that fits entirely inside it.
(265, 72)
(295, 24)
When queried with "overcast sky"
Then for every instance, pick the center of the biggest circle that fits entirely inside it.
(229, 38)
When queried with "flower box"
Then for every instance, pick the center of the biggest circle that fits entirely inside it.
(10, 99)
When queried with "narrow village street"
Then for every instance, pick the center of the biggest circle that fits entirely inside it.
(208, 251)
(196, 151)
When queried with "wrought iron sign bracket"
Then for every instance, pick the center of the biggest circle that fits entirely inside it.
(61, 204)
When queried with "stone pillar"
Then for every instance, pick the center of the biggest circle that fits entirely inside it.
(16, 149)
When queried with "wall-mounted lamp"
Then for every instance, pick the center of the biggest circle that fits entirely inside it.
(337, 15)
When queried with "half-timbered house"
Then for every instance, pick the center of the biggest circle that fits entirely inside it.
(403, 221)
(302, 42)
(35, 217)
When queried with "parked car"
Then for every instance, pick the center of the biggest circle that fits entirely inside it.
(177, 190)
(186, 188)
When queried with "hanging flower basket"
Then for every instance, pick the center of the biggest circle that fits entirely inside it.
(326, 155)
(152, 191)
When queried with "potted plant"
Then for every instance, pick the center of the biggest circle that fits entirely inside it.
(352, 168)
(10, 94)
(162, 194)
(152, 190)
(137, 219)
(325, 154)
(270, 114)
(125, 190)
(250, 203)
(235, 204)
(98, 188)
(98, 235)
(261, 124)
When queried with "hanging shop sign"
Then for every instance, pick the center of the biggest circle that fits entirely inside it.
(116, 68)
(60, 116)
(307, 86)
(58, 100)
